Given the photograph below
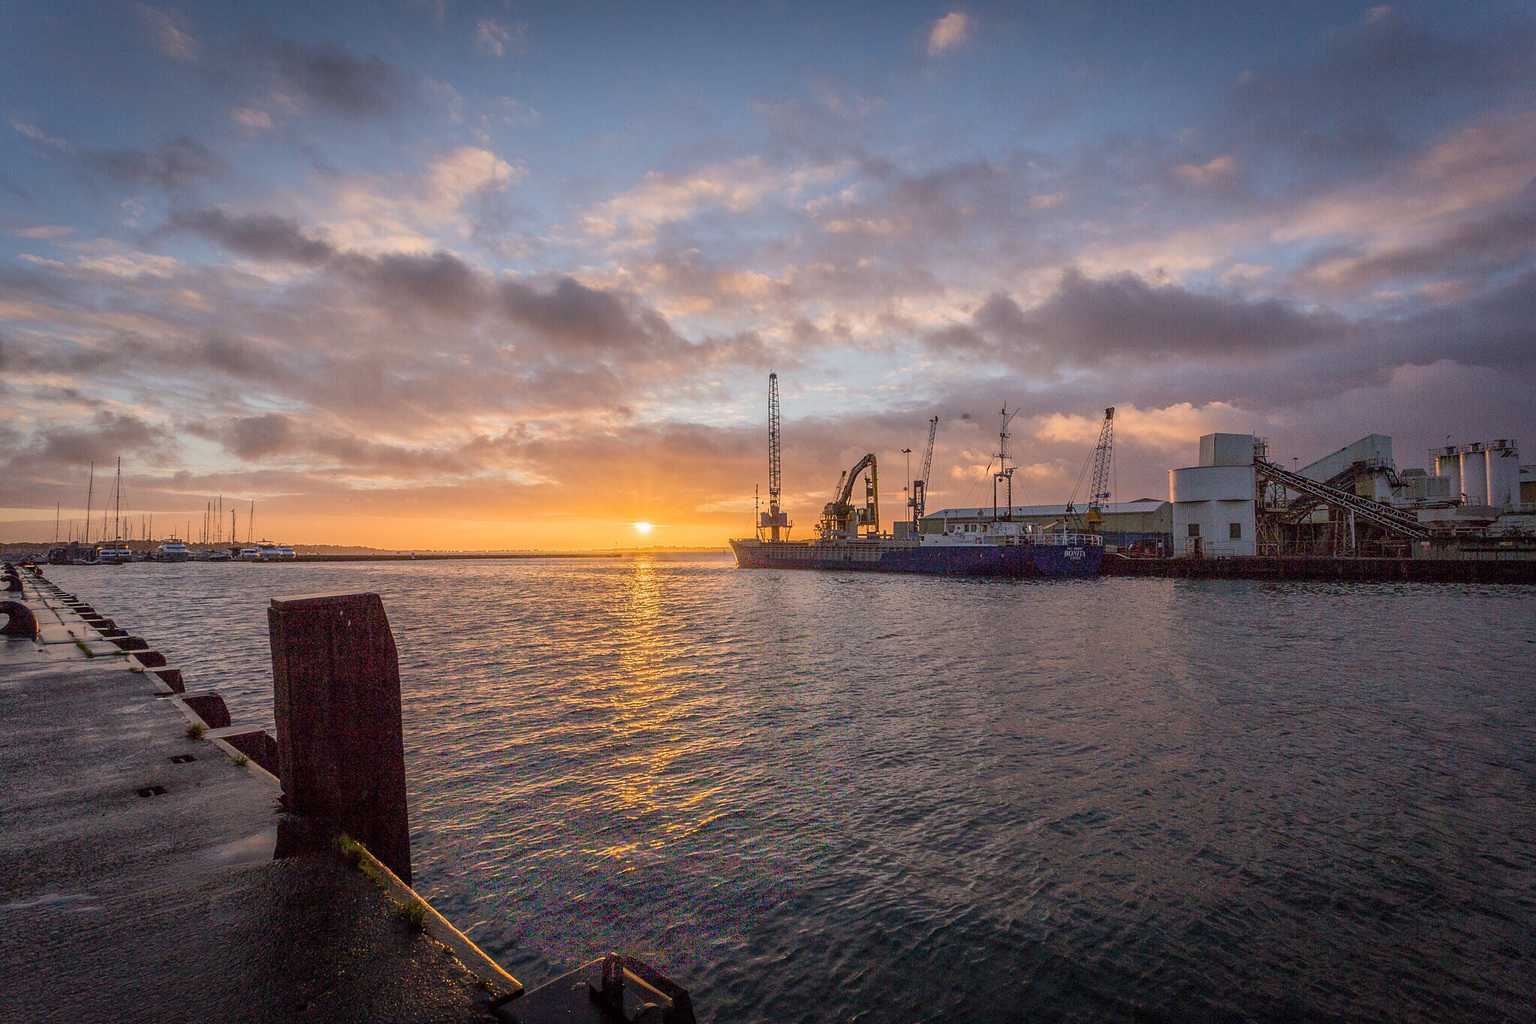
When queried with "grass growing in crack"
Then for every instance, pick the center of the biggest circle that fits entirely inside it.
(241, 761)
(351, 849)
(413, 913)
(85, 648)
(196, 731)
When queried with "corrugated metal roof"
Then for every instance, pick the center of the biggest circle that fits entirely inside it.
(1139, 505)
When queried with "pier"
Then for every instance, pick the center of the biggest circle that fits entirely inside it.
(1359, 570)
(160, 863)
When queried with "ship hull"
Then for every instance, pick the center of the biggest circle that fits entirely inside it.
(1022, 560)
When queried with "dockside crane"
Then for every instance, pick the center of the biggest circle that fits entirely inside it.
(918, 502)
(775, 522)
(840, 518)
(1097, 470)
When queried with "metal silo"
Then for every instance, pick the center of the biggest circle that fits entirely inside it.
(1503, 473)
(1474, 474)
(1448, 465)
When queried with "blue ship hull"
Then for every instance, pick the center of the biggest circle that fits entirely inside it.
(1026, 560)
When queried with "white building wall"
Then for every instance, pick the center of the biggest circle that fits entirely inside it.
(1210, 504)
(1227, 449)
(1372, 448)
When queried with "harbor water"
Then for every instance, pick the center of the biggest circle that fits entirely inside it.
(866, 797)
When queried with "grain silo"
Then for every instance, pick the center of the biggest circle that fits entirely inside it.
(1474, 473)
(1503, 473)
(1448, 465)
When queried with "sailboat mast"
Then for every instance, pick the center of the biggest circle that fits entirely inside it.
(90, 489)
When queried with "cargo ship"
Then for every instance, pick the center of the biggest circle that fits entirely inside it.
(848, 536)
(1043, 554)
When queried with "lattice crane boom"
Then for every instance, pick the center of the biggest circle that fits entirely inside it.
(920, 485)
(1103, 456)
(774, 443)
(774, 521)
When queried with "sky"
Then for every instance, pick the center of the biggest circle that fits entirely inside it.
(463, 275)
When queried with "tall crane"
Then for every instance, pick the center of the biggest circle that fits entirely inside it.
(919, 500)
(1096, 470)
(775, 521)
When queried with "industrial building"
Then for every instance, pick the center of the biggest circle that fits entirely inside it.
(1144, 521)
(1213, 503)
(1353, 501)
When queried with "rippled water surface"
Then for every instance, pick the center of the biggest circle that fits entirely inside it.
(827, 797)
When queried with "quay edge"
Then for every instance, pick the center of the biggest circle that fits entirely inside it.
(1382, 570)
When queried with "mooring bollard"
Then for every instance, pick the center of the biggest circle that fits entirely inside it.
(19, 620)
(336, 689)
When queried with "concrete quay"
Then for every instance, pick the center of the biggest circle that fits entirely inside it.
(160, 864)
(137, 876)
(1360, 570)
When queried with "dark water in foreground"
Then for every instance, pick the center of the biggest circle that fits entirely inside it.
(826, 797)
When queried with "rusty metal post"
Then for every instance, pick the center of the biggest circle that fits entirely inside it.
(336, 687)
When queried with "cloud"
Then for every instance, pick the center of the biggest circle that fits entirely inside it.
(33, 133)
(660, 199)
(44, 231)
(259, 236)
(576, 317)
(170, 32)
(949, 32)
(332, 78)
(251, 119)
(1219, 170)
(391, 214)
(177, 164)
(1089, 322)
(495, 38)
(253, 437)
(106, 435)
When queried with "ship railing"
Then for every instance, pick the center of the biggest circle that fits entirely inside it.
(1074, 540)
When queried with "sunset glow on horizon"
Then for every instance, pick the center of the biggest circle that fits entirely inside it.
(469, 276)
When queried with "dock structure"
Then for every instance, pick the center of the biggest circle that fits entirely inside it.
(137, 872)
(159, 863)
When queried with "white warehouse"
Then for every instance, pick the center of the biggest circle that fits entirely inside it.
(1213, 503)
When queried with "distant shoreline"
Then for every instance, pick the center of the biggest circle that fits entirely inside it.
(38, 551)
(439, 556)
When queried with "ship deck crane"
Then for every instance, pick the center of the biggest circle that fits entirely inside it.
(919, 500)
(1099, 464)
(775, 522)
(839, 518)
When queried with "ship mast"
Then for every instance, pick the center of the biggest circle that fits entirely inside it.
(1004, 474)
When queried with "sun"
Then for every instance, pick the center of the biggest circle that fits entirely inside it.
(642, 528)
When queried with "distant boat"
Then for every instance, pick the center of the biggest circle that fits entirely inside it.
(115, 553)
(173, 550)
(218, 555)
(267, 551)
